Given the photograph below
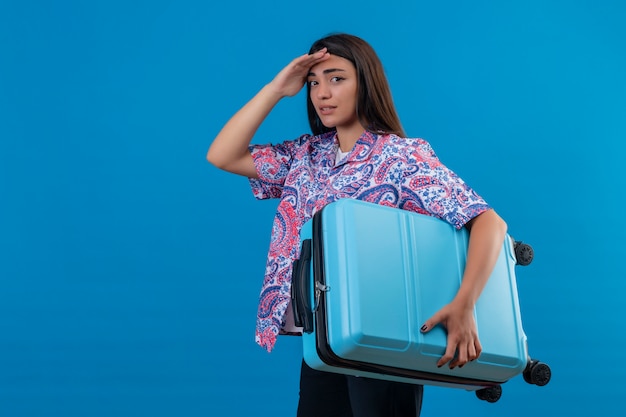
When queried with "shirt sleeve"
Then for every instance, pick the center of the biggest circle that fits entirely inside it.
(432, 188)
(272, 163)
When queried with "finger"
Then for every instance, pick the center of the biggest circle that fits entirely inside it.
(317, 54)
(430, 323)
(307, 59)
(478, 347)
(448, 354)
(303, 61)
(471, 352)
(320, 53)
(461, 357)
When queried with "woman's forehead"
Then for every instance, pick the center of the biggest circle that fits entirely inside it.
(335, 62)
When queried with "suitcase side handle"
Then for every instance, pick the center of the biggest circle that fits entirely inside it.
(300, 289)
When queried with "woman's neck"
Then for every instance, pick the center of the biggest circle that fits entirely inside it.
(348, 136)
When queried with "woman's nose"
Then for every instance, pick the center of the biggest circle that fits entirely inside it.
(323, 91)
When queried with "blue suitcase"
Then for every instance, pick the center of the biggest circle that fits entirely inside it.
(369, 276)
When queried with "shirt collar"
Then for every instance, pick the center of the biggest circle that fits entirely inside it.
(361, 151)
(363, 146)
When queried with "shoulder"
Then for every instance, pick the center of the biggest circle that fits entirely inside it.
(287, 146)
(410, 148)
(307, 139)
(300, 148)
(314, 145)
(320, 140)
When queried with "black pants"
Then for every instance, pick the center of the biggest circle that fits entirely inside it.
(325, 394)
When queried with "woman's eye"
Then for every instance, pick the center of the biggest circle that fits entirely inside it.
(336, 79)
(312, 83)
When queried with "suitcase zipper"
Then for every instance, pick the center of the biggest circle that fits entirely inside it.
(319, 288)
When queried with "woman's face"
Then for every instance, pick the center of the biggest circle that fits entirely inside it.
(333, 92)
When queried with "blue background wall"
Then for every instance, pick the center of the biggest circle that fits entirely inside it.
(130, 267)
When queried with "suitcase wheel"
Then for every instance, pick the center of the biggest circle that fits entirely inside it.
(537, 373)
(490, 394)
(523, 253)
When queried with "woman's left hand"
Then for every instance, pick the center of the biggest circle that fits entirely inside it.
(462, 345)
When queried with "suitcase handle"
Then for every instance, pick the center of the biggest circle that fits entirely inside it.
(300, 289)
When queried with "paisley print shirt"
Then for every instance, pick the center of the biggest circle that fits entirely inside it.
(383, 169)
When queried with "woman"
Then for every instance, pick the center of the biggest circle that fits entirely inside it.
(358, 150)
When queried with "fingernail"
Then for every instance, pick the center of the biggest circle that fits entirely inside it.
(424, 327)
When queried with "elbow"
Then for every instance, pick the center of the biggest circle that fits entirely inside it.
(209, 157)
(497, 223)
(502, 226)
(243, 165)
(214, 159)
(489, 220)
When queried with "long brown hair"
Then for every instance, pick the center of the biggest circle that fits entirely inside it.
(375, 108)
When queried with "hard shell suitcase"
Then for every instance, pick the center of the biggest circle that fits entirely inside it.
(369, 276)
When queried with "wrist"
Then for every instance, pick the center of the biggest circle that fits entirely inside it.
(464, 301)
(273, 91)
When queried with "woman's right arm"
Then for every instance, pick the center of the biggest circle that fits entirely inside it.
(229, 150)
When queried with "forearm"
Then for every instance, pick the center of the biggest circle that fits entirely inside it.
(229, 150)
(487, 232)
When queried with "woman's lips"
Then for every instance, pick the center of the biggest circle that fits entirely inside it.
(326, 110)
